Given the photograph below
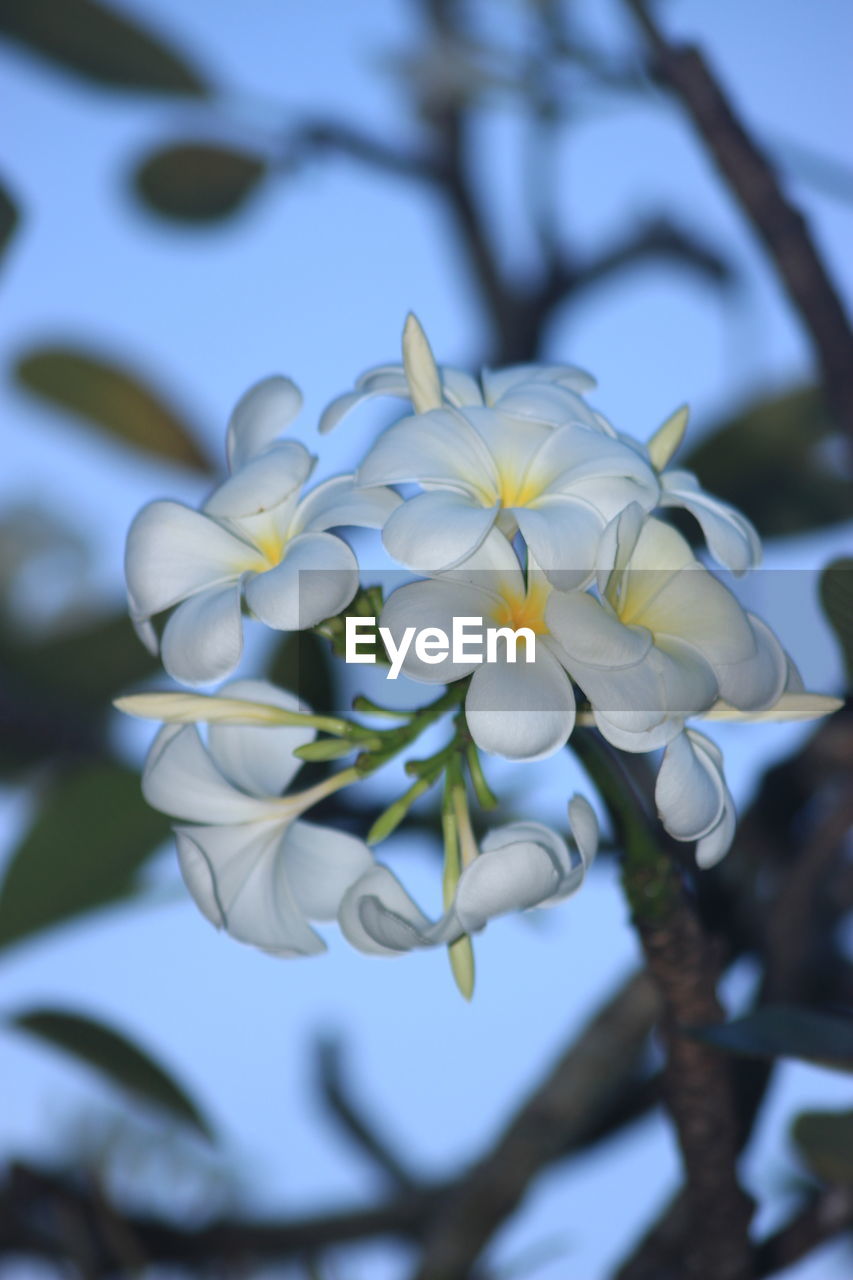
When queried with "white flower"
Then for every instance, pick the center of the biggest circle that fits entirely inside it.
(520, 710)
(522, 865)
(548, 392)
(692, 798)
(253, 538)
(251, 866)
(666, 640)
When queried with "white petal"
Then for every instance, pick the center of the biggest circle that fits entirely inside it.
(385, 380)
(591, 635)
(498, 382)
(583, 825)
(732, 539)
(321, 864)
(435, 604)
(716, 844)
(173, 551)
(263, 482)
(510, 878)
(317, 578)
(239, 873)
(668, 437)
(437, 530)
(460, 389)
(690, 793)
(790, 706)
(759, 680)
(440, 448)
(377, 915)
(607, 473)
(260, 759)
(340, 502)
(181, 779)
(421, 370)
(259, 415)
(203, 638)
(521, 710)
(563, 534)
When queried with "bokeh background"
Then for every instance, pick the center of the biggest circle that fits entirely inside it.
(245, 195)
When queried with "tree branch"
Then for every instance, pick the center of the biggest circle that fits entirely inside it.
(778, 223)
(826, 1216)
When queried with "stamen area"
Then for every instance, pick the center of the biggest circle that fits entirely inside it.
(528, 610)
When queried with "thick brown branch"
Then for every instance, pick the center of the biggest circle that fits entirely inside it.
(778, 223)
(585, 1080)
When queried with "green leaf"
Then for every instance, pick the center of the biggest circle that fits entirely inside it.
(90, 836)
(8, 218)
(836, 595)
(825, 1140)
(302, 664)
(55, 692)
(112, 398)
(786, 1031)
(115, 1057)
(198, 181)
(769, 461)
(98, 43)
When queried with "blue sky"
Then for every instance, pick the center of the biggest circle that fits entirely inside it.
(314, 280)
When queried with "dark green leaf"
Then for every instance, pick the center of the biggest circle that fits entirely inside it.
(786, 1031)
(114, 1056)
(198, 181)
(97, 42)
(825, 1140)
(113, 398)
(303, 665)
(91, 834)
(8, 218)
(55, 692)
(836, 594)
(768, 461)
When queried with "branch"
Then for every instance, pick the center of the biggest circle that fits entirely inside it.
(659, 238)
(697, 1079)
(776, 220)
(319, 136)
(828, 1214)
(591, 1073)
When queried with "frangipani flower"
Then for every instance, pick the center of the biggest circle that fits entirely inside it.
(522, 865)
(520, 710)
(731, 538)
(253, 868)
(665, 642)
(481, 469)
(692, 798)
(549, 392)
(253, 539)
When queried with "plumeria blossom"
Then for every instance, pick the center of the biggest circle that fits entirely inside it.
(549, 392)
(253, 868)
(665, 641)
(518, 866)
(517, 709)
(255, 539)
(692, 798)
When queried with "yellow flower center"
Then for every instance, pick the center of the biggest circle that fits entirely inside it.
(528, 610)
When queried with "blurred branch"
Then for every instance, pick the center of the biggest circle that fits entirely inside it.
(697, 1079)
(658, 239)
(827, 1215)
(348, 1113)
(778, 223)
(586, 1079)
(319, 136)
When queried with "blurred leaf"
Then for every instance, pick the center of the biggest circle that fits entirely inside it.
(836, 594)
(98, 43)
(302, 664)
(198, 181)
(767, 462)
(8, 218)
(112, 1055)
(90, 835)
(786, 1031)
(825, 1140)
(111, 397)
(55, 692)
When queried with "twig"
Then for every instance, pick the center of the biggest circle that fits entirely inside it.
(830, 1213)
(591, 1073)
(776, 220)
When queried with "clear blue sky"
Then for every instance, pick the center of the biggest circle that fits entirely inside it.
(314, 280)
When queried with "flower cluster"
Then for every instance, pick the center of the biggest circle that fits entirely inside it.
(521, 507)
